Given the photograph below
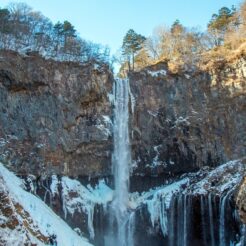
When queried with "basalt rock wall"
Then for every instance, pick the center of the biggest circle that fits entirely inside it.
(182, 122)
(54, 116)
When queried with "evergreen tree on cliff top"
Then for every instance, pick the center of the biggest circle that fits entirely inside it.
(132, 43)
(221, 22)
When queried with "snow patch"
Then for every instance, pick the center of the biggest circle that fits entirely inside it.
(43, 217)
(104, 125)
(110, 97)
(157, 73)
(187, 76)
(156, 161)
(3, 142)
(153, 113)
(107, 120)
(16, 238)
(181, 120)
(224, 177)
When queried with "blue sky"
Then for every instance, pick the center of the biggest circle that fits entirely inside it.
(107, 21)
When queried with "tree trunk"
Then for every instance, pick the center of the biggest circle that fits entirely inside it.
(129, 66)
(133, 60)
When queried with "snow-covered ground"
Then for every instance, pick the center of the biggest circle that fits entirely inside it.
(42, 219)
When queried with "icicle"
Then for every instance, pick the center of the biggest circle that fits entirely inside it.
(172, 223)
(131, 229)
(243, 233)
(180, 220)
(54, 185)
(211, 219)
(90, 214)
(132, 100)
(163, 217)
(47, 191)
(185, 221)
(203, 219)
(222, 219)
(63, 198)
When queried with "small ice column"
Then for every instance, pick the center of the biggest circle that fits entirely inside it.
(211, 219)
(222, 225)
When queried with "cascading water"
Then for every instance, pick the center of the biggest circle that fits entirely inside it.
(121, 160)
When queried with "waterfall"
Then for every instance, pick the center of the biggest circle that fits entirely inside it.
(121, 160)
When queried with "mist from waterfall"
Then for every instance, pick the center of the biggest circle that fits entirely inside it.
(121, 160)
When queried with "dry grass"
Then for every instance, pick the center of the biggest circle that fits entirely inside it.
(221, 55)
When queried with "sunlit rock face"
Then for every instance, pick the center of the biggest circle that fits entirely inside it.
(55, 116)
(184, 121)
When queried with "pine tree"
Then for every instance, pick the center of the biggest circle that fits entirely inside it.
(68, 29)
(63, 33)
(132, 43)
(220, 23)
(177, 28)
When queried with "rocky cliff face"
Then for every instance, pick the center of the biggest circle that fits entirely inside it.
(55, 121)
(241, 200)
(54, 116)
(182, 122)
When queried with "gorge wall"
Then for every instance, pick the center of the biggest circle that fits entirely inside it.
(56, 121)
(54, 116)
(185, 121)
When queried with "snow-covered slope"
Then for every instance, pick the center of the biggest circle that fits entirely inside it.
(24, 218)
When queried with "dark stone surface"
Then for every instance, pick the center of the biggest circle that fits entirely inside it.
(182, 122)
(51, 116)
